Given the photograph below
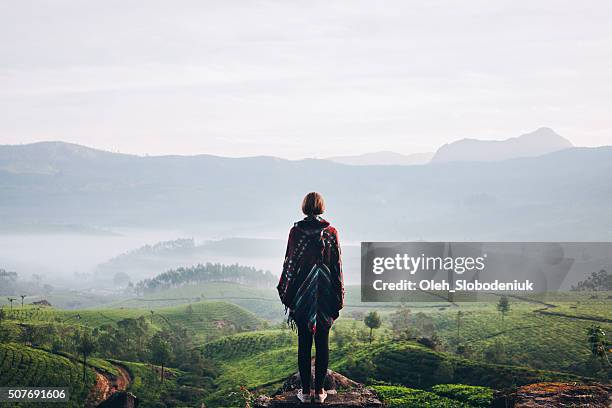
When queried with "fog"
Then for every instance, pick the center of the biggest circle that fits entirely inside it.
(82, 261)
(58, 257)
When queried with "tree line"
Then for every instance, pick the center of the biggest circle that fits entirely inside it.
(597, 281)
(208, 272)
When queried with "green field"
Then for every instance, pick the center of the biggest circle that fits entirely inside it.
(261, 361)
(207, 320)
(440, 396)
(262, 302)
(247, 350)
(28, 367)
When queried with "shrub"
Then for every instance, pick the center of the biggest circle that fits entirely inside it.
(402, 397)
(475, 396)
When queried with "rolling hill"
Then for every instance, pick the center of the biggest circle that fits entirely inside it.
(206, 319)
(22, 366)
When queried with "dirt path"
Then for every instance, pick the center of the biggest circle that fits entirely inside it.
(107, 384)
(102, 388)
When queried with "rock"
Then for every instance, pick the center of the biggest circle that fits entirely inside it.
(121, 399)
(546, 395)
(343, 393)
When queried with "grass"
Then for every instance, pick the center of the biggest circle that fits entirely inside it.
(147, 386)
(210, 320)
(177, 389)
(64, 299)
(207, 320)
(262, 302)
(536, 346)
(247, 344)
(413, 365)
(261, 361)
(250, 360)
(442, 396)
(480, 397)
(402, 397)
(527, 336)
(27, 367)
(532, 334)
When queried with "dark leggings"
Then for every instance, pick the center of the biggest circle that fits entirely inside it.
(321, 338)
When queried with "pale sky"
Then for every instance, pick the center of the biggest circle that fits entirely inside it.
(302, 78)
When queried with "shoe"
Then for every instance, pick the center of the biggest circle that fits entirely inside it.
(320, 398)
(304, 398)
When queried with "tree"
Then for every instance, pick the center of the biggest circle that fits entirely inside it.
(22, 297)
(496, 353)
(11, 300)
(402, 323)
(596, 338)
(85, 345)
(503, 306)
(424, 324)
(373, 321)
(160, 352)
(459, 316)
(597, 281)
(131, 336)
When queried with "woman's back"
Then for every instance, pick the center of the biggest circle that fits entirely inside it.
(311, 285)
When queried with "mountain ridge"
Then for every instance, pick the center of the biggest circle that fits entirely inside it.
(510, 199)
(383, 157)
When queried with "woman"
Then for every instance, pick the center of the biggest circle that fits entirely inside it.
(312, 291)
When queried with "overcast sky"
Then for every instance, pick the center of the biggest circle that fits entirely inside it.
(304, 78)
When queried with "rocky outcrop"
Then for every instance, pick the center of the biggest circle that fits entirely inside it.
(343, 393)
(551, 395)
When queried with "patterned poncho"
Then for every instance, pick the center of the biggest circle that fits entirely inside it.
(311, 286)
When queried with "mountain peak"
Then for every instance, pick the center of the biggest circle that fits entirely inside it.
(541, 141)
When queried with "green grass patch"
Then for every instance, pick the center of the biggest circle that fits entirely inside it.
(402, 397)
(22, 366)
(247, 344)
(412, 365)
(480, 397)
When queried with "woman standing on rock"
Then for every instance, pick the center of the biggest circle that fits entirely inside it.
(311, 288)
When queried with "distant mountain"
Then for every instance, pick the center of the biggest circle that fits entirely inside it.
(383, 158)
(563, 195)
(537, 143)
(48, 158)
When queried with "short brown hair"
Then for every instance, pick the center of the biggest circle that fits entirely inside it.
(313, 204)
